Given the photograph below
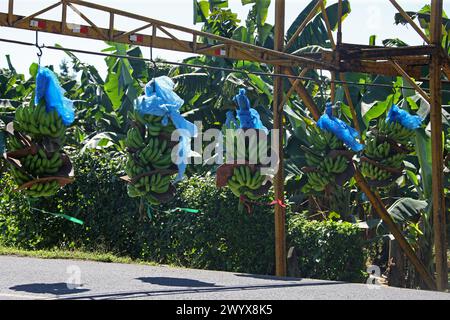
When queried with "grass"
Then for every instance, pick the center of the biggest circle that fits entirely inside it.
(76, 255)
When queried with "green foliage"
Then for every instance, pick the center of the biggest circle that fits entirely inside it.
(315, 32)
(328, 250)
(218, 237)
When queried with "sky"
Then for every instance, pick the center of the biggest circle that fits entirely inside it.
(368, 17)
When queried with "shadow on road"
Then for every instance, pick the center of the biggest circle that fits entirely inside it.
(266, 277)
(176, 282)
(48, 288)
(191, 290)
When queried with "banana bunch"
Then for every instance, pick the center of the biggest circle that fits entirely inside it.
(334, 166)
(35, 167)
(152, 123)
(42, 128)
(395, 131)
(134, 139)
(40, 165)
(46, 189)
(14, 144)
(373, 172)
(313, 160)
(157, 153)
(377, 151)
(382, 151)
(317, 181)
(321, 141)
(19, 176)
(155, 183)
(326, 168)
(43, 189)
(148, 151)
(151, 151)
(394, 161)
(244, 182)
(38, 123)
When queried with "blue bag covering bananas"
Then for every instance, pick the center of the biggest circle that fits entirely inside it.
(340, 129)
(160, 100)
(403, 117)
(248, 117)
(48, 88)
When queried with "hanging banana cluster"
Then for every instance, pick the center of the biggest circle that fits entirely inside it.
(323, 165)
(386, 148)
(149, 157)
(37, 125)
(247, 180)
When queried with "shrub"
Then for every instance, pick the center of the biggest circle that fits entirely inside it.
(218, 237)
(328, 249)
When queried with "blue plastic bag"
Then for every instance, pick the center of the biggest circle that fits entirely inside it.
(231, 120)
(340, 129)
(248, 117)
(160, 100)
(395, 114)
(48, 87)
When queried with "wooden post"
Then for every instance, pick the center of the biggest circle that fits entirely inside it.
(439, 213)
(280, 214)
(111, 26)
(64, 17)
(339, 32)
(10, 12)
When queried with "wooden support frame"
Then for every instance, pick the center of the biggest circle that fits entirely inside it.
(439, 211)
(280, 212)
(411, 81)
(380, 208)
(303, 94)
(406, 62)
(303, 25)
(410, 21)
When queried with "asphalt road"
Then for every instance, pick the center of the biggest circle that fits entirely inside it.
(30, 278)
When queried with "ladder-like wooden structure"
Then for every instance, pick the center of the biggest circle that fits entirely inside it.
(406, 62)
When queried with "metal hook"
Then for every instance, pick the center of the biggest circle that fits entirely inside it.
(39, 54)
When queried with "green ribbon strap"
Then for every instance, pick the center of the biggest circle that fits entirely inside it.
(62, 215)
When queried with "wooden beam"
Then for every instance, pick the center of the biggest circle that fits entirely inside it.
(303, 94)
(380, 209)
(92, 24)
(128, 33)
(387, 53)
(292, 89)
(302, 26)
(439, 212)
(327, 24)
(410, 21)
(28, 18)
(260, 50)
(280, 212)
(181, 43)
(412, 67)
(411, 81)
